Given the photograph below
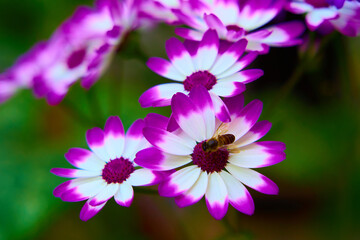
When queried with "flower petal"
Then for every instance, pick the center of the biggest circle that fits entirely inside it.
(89, 211)
(285, 34)
(228, 89)
(255, 156)
(234, 105)
(179, 56)
(125, 195)
(74, 173)
(156, 120)
(165, 68)
(179, 182)
(246, 119)
(188, 116)
(96, 140)
(239, 197)
(144, 177)
(244, 77)
(202, 100)
(216, 195)
(82, 188)
(160, 95)
(239, 65)
(103, 196)
(85, 159)
(220, 109)
(315, 18)
(156, 159)
(253, 179)
(134, 139)
(114, 137)
(195, 193)
(207, 51)
(187, 33)
(168, 142)
(259, 130)
(214, 22)
(229, 57)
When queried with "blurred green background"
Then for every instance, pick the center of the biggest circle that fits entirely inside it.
(316, 114)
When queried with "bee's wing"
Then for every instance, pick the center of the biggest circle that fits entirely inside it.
(221, 130)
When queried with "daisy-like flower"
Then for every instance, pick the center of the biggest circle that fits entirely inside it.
(234, 20)
(211, 158)
(107, 170)
(81, 48)
(327, 15)
(204, 63)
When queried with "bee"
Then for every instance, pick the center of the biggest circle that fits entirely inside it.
(216, 142)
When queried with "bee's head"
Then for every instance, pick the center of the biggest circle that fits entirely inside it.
(209, 145)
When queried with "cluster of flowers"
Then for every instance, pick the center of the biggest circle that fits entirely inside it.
(209, 143)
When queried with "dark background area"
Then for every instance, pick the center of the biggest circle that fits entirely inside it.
(316, 113)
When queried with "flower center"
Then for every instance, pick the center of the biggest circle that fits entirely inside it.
(210, 161)
(117, 170)
(203, 78)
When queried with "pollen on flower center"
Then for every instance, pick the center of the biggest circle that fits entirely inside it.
(117, 170)
(203, 78)
(212, 161)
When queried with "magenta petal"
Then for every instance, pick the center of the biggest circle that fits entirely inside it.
(89, 211)
(164, 68)
(235, 104)
(160, 95)
(217, 210)
(156, 120)
(275, 145)
(153, 158)
(95, 137)
(114, 126)
(189, 116)
(59, 190)
(150, 158)
(252, 111)
(64, 172)
(168, 142)
(201, 97)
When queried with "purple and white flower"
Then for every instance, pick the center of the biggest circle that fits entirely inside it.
(107, 170)
(81, 48)
(326, 15)
(218, 173)
(234, 20)
(208, 63)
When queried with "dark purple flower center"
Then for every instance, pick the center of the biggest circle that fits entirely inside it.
(203, 78)
(117, 170)
(212, 161)
(318, 3)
